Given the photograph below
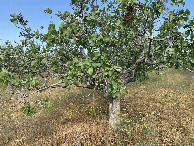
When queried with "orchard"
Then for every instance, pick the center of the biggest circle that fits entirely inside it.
(99, 49)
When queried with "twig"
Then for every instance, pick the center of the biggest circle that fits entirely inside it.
(189, 70)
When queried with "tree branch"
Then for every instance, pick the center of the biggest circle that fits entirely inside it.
(190, 70)
(137, 63)
(42, 89)
(154, 63)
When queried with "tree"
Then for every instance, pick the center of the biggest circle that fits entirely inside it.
(120, 42)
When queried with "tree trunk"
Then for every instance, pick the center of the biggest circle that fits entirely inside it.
(114, 112)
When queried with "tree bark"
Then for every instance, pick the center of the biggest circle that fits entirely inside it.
(114, 112)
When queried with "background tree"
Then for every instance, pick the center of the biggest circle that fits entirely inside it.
(120, 42)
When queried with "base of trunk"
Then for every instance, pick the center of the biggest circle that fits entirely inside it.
(114, 113)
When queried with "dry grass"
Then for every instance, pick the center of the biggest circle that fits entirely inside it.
(158, 111)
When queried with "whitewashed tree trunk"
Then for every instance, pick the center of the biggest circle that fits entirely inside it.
(114, 111)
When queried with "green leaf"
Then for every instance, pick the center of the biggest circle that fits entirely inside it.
(87, 8)
(90, 71)
(44, 61)
(27, 110)
(49, 105)
(114, 85)
(105, 73)
(123, 90)
(51, 29)
(47, 10)
(181, 23)
(97, 65)
(171, 50)
(34, 63)
(117, 69)
(87, 62)
(46, 103)
(14, 15)
(46, 99)
(76, 82)
(110, 73)
(2, 56)
(187, 12)
(14, 20)
(106, 94)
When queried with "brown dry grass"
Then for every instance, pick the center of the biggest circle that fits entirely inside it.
(158, 111)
